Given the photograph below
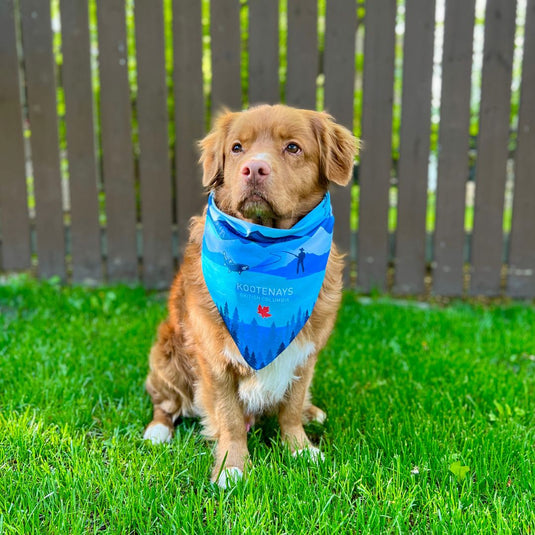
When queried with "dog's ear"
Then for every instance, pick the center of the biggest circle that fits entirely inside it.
(213, 151)
(338, 148)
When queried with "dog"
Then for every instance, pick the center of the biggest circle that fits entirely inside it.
(269, 166)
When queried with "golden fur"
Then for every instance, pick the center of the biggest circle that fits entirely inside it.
(195, 367)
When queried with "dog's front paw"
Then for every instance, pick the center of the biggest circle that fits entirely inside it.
(158, 434)
(229, 477)
(313, 414)
(311, 452)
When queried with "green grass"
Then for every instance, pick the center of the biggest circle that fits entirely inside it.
(430, 429)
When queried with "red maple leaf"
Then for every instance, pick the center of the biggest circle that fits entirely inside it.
(264, 311)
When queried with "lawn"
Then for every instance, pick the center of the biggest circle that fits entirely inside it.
(430, 428)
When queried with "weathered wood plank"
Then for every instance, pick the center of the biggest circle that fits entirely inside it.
(487, 239)
(189, 112)
(225, 46)
(117, 152)
(76, 74)
(14, 219)
(339, 60)
(454, 143)
(41, 91)
(302, 54)
(521, 279)
(339, 66)
(154, 165)
(414, 146)
(376, 156)
(263, 52)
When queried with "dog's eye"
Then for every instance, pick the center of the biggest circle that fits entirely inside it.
(237, 147)
(294, 148)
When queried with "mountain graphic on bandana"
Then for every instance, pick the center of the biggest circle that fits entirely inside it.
(226, 232)
(264, 281)
(272, 265)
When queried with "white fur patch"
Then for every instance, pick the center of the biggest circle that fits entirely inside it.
(261, 156)
(268, 385)
(158, 434)
(320, 417)
(234, 356)
(229, 477)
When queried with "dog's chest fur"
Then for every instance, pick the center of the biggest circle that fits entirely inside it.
(267, 386)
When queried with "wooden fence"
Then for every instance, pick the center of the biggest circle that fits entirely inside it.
(107, 195)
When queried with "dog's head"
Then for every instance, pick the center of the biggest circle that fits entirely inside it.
(272, 164)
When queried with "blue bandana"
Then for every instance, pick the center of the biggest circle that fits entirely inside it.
(265, 281)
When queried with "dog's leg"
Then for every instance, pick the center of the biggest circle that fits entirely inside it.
(168, 387)
(311, 413)
(170, 383)
(291, 413)
(224, 420)
(160, 429)
(165, 400)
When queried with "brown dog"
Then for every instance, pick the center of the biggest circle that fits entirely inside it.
(270, 165)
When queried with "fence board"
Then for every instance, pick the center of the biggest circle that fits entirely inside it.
(302, 53)
(225, 36)
(154, 165)
(14, 219)
(376, 156)
(339, 67)
(375, 247)
(189, 111)
(263, 52)
(487, 239)
(521, 280)
(117, 153)
(41, 91)
(454, 144)
(76, 75)
(414, 146)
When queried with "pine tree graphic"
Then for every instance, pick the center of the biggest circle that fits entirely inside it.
(252, 360)
(287, 330)
(234, 323)
(272, 332)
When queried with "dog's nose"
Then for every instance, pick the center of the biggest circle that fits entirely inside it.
(257, 170)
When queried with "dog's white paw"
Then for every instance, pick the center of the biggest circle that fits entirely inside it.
(312, 453)
(229, 477)
(313, 414)
(320, 417)
(158, 434)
